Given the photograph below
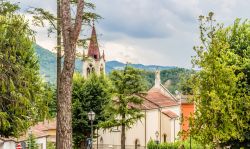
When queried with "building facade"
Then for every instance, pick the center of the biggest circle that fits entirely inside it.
(161, 121)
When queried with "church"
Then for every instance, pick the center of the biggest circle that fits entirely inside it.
(162, 110)
(93, 60)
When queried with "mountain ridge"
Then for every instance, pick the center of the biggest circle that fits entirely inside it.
(47, 61)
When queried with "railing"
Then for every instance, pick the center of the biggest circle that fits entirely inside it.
(110, 146)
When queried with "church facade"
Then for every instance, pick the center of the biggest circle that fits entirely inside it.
(161, 121)
(162, 111)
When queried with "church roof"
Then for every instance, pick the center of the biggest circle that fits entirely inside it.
(156, 96)
(93, 50)
(170, 114)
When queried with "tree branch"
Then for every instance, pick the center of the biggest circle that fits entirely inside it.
(78, 20)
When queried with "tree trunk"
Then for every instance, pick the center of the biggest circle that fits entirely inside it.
(70, 34)
(59, 55)
(123, 135)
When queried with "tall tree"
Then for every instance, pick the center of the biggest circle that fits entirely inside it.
(220, 93)
(70, 32)
(129, 86)
(22, 93)
(94, 94)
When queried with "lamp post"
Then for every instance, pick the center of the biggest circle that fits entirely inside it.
(91, 116)
(156, 136)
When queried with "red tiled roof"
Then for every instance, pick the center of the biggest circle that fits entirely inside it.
(93, 46)
(146, 105)
(40, 129)
(170, 114)
(158, 98)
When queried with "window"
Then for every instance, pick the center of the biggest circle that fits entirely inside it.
(137, 144)
(165, 138)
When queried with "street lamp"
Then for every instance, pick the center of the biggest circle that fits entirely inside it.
(157, 135)
(91, 116)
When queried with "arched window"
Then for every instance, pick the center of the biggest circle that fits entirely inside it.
(88, 71)
(165, 138)
(137, 144)
(93, 69)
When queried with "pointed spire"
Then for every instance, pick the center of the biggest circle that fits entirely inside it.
(93, 50)
(157, 78)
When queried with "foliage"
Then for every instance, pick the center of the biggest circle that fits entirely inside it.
(176, 145)
(184, 84)
(7, 7)
(94, 93)
(128, 85)
(32, 142)
(22, 98)
(220, 87)
(50, 145)
(51, 96)
(173, 79)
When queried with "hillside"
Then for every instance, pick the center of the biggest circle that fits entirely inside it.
(47, 61)
(170, 75)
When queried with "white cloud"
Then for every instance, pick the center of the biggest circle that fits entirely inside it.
(150, 32)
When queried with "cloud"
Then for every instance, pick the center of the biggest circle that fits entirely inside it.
(150, 32)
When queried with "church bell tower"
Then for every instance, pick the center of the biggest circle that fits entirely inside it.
(93, 61)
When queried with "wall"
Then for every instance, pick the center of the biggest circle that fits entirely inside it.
(165, 128)
(8, 145)
(174, 124)
(41, 142)
(187, 110)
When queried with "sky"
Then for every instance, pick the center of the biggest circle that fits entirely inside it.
(159, 32)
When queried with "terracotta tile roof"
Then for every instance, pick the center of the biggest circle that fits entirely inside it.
(146, 105)
(40, 129)
(161, 100)
(170, 114)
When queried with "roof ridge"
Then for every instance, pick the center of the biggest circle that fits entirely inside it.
(168, 92)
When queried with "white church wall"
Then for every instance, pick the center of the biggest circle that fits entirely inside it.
(175, 124)
(152, 124)
(166, 128)
(136, 132)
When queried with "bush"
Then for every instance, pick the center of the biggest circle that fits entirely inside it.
(176, 145)
(153, 145)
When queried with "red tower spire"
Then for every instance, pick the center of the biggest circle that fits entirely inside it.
(93, 50)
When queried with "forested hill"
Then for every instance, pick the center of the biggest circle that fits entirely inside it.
(47, 61)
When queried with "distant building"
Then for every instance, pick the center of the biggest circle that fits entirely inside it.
(93, 60)
(43, 132)
(161, 116)
(7, 143)
(187, 110)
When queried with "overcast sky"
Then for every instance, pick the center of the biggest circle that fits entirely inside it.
(160, 32)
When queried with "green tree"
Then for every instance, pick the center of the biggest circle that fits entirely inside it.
(7, 7)
(184, 84)
(94, 93)
(32, 142)
(220, 93)
(22, 98)
(50, 145)
(129, 86)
